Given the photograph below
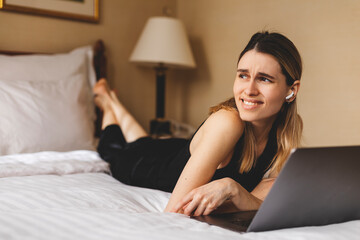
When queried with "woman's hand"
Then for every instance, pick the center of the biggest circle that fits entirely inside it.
(223, 195)
(207, 198)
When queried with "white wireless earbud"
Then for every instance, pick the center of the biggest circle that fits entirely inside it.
(290, 95)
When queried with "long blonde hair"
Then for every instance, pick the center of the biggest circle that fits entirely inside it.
(288, 123)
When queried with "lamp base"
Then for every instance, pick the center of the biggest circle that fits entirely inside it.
(160, 128)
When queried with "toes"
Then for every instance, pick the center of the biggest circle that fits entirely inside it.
(101, 87)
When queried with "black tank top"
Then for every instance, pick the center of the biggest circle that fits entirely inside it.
(252, 178)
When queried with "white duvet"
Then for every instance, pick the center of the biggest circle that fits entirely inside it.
(52, 195)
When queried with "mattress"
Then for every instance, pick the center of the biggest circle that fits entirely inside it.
(71, 195)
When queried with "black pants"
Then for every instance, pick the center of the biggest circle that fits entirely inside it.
(146, 162)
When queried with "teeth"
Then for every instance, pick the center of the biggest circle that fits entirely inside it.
(249, 103)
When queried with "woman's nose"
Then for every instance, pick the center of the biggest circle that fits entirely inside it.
(251, 88)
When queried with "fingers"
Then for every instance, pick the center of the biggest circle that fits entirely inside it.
(188, 204)
(210, 208)
(180, 206)
(192, 206)
(201, 204)
(201, 207)
(203, 200)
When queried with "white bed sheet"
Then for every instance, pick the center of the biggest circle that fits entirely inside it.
(90, 204)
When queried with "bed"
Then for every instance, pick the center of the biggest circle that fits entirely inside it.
(53, 184)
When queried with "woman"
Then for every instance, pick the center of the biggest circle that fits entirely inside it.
(223, 166)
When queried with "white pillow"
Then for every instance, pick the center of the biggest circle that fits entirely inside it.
(46, 102)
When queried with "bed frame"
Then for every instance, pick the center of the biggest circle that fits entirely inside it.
(99, 62)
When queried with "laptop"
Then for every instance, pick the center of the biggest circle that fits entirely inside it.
(317, 186)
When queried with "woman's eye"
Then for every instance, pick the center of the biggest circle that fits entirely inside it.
(243, 76)
(264, 79)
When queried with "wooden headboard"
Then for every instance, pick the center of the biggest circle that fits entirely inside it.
(99, 62)
(100, 69)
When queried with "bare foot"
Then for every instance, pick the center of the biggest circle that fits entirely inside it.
(115, 112)
(102, 96)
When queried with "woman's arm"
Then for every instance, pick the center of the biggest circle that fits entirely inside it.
(211, 146)
(263, 188)
(223, 195)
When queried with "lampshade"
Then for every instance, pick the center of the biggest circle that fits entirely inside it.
(163, 41)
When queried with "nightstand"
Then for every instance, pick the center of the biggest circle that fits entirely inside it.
(162, 128)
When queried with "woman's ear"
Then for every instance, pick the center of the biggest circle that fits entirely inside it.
(293, 91)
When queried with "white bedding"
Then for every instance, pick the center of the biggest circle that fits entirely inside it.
(83, 202)
(59, 163)
(46, 102)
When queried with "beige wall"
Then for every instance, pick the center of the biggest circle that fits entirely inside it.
(327, 34)
(120, 25)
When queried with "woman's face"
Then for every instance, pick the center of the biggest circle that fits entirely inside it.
(260, 88)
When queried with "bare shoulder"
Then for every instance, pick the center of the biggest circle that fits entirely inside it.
(227, 121)
(224, 125)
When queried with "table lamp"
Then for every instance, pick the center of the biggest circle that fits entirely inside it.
(163, 44)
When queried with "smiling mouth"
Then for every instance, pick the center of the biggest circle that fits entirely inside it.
(251, 102)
